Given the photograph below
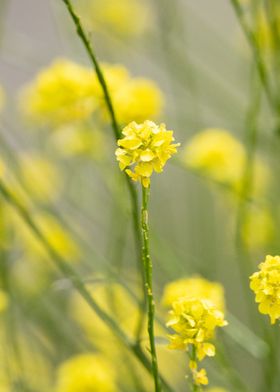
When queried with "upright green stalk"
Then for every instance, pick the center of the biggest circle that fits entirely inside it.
(148, 283)
(117, 134)
(193, 357)
(260, 64)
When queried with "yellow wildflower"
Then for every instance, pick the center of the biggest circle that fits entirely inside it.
(86, 372)
(145, 148)
(194, 322)
(200, 377)
(137, 100)
(194, 287)
(266, 285)
(39, 176)
(66, 92)
(221, 157)
(258, 228)
(134, 98)
(124, 17)
(61, 93)
(217, 153)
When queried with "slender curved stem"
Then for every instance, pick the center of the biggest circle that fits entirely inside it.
(148, 283)
(117, 134)
(261, 67)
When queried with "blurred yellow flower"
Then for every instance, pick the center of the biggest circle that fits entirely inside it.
(217, 153)
(84, 373)
(40, 178)
(61, 93)
(266, 286)
(200, 376)
(27, 364)
(137, 100)
(134, 98)
(66, 92)
(147, 146)
(79, 140)
(216, 389)
(55, 234)
(258, 228)
(194, 287)
(123, 17)
(3, 301)
(221, 157)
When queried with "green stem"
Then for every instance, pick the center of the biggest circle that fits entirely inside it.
(193, 357)
(117, 134)
(149, 284)
(81, 33)
(261, 67)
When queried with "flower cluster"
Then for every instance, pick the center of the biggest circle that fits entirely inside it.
(61, 93)
(222, 158)
(194, 287)
(266, 285)
(66, 92)
(194, 322)
(145, 148)
(86, 372)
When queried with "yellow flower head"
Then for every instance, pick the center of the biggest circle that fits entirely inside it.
(84, 373)
(194, 287)
(266, 285)
(222, 158)
(217, 153)
(145, 148)
(194, 322)
(137, 100)
(258, 228)
(61, 93)
(134, 98)
(123, 17)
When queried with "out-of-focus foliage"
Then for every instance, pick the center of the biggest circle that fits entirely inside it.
(64, 202)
